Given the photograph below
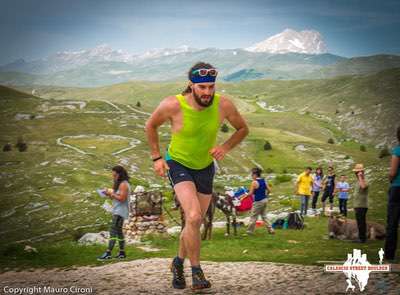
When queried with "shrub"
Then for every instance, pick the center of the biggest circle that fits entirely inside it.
(384, 152)
(282, 178)
(363, 148)
(224, 128)
(7, 147)
(138, 104)
(267, 146)
(331, 141)
(21, 145)
(269, 170)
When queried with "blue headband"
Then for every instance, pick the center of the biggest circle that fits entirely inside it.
(202, 79)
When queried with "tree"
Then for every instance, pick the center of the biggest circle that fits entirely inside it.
(331, 141)
(363, 148)
(138, 104)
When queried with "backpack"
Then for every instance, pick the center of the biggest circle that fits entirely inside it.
(278, 223)
(295, 221)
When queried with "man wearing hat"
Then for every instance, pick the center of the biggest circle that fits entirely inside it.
(195, 116)
(360, 202)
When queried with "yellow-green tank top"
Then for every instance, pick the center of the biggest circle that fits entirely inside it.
(190, 146)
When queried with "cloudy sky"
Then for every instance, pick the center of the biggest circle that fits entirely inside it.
(33, 29)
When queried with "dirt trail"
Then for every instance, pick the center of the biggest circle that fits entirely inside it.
(152, 276)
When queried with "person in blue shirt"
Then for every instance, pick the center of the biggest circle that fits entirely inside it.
(342, 188)
(260, 190)
(393, 208)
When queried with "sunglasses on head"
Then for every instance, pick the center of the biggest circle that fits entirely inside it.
(205, 72)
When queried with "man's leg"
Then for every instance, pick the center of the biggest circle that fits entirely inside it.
(187, 196)
(204, 201)
(341, 206)
(303, 204)
(363, 237)
(306, 198)
(361, 223)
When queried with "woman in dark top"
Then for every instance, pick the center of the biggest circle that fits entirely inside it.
(329, 184)
(260, 190)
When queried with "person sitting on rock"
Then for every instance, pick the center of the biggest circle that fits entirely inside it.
(119, 195)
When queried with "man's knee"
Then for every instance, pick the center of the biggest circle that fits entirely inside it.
(194, 219)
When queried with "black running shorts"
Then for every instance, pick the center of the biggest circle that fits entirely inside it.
(203, 178)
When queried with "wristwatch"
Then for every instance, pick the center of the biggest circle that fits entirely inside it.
(158, 158)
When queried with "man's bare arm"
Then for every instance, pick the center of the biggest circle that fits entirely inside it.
(160, 115)
(237, 121)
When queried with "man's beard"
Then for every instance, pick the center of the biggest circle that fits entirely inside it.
(197, 98)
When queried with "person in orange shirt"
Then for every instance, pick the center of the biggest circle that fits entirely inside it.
(303, 188)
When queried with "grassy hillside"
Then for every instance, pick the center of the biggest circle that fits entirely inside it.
(364, 107)
(75, 136)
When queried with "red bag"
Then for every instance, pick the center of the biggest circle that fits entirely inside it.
(246, 204)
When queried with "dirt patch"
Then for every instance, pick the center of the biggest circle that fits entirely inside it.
(152, 276)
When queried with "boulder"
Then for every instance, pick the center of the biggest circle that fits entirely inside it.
(95, 238)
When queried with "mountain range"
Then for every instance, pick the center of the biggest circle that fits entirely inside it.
(285, 56)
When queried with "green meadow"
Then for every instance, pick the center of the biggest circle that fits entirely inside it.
(75, 135)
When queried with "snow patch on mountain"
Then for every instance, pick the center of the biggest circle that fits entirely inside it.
(307, 42)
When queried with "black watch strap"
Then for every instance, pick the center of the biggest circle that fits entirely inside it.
(156, 159)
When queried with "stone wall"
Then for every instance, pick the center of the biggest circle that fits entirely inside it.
(145, 215)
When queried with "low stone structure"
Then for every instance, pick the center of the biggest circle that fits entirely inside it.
(138, 226)
(145, 215)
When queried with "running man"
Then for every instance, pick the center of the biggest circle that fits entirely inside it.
(195, 116)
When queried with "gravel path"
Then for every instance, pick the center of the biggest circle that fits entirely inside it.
(152, 276)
